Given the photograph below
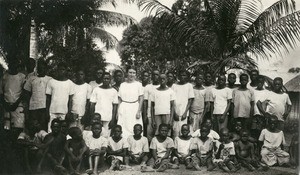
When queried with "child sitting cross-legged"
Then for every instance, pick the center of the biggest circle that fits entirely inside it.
(97, 145)
(211, 134)
(138, 146)
(202, 147)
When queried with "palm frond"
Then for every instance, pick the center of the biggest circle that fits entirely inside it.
(249, 11)
(153, 6)
(110, 18)
(107, 38)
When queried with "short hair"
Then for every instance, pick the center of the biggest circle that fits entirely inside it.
(261, 77)
(74, 131)
(96, 123)
(138, 125)
(117, 126)
(244, 130)
(56, 120)
(163, 125)
(131, 67)
(144, 71)
(117, 71)
(97, 115)
(154, 71)
(204, 126)
(221, 75)
(278, 79)
(183, 71)
(224, 130)
(231, 74)
(244, 75)
(106, 73)
(42, 62)
(100, 68)
(185, 125)
(254, 70)
(170, 72)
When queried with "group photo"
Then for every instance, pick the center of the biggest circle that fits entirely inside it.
(149, 87)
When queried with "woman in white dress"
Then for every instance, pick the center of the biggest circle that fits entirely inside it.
(130, 103)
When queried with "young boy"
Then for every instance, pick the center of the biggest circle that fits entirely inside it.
(197, 107)
(88, 130)
(208, 85)
(97, 146)
(243, 102)
(80, 99)
(138, 149)
(162, 104)
(75, 149)
(225, 153)
(36, 89)
(117, 148)
(211, 134)
(170, 79)
(232, 86)
(181, 147)
(98, 81)
(104, 100)
(184, 95)
(272, 140)
(59, 94)
(161, 147)
(278, 103)
(253, 77)
(202, 146)
(220, 99)
(118, 79)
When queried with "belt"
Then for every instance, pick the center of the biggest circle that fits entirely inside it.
(130, 101)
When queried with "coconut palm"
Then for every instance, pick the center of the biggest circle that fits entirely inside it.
(231, 32)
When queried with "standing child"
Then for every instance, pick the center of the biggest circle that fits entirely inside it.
(243, 102)
(75, 149)
(117, 148)
(182, 145)
(170, 79)
(98, 79)
(197, 109)
(184, 95)
(81, 97)
(225, 153)
(118, 79)
(138, 149)
(220, 102)
(232, 86)
(202, 146)
(272, 143)
(104, 100)
(97, 145)
(278, 103)
(162, 104)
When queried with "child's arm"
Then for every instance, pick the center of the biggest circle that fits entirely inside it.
(187, 109)
(82, 150)
(68, 151)
(176, 153)
(287, 111)
(211, 109)
(219, 151)
(260, 108)
(48, 102)
(115, 153)
(154, 154)
(141, 100)
(238, 152)
(226, 111)
(92, 108)
(113, 122)
(152, 115)
(168, 153)
(171, 112)
(251, 109)
(70, 103)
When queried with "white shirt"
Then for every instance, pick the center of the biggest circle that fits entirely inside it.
(161, 148)
(104, 99)
(220, 98)
(203, 147)
(212, 134)
(182, 95)
(148, 91)
(94, 84)
(227, 151)
(12, 86)
(137, 147)
(260, 95)
(182, 146)
(162, 99)
(277, 103)
(81, 94)
(198, 102)
(272, 139)
(95, 143)
(37, 87)
(60, 92)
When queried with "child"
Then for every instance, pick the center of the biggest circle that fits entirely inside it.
(104, 100)
(75, 149)
(273, 142)
(294, 146)
(97, 145)
(243, 102)
(181, 147)
(197, 107)
(211, 134)
(88, 130)
(117, 148)
(162, 104)
(118, 79)
(98, 81)
(253, 77)
(170, 79)
(202, 146)
(220, 99)
(245, 152)
(232, 86)
(138, 149)
(81, 97)
(59, 94)
(225, 153)
(36, 89)
(161, 147)
(208, 85)
(184, 95)
(278, 103)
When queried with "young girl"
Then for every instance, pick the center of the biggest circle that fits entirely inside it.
(117, 148)
(273, 142)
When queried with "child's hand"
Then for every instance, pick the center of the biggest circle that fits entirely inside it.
(153, 124)
(111, 124)
(138, 115)
(176, 117)
(183, 116)
(190, 120)
(158, 161)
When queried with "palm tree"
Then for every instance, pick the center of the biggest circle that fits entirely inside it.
(231, 32)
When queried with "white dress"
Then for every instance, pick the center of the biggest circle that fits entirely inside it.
(129, 94)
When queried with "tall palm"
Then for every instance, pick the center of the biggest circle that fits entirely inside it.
(233, 31)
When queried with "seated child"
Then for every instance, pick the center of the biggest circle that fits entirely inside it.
(32, 140)
(161, 147)
(117, 148)
(225, 153)
(75, 149)
(236, 134)
(294, 146)
(202, 146)
(182, 144)
(212, 134)
(88, 130)
(245, 152)
(273, 142)
(138, 149)
(97, 145)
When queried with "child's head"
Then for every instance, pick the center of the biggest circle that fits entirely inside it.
(33, 126)
(199, 80)
(137, 129)
(260, 81)
(208, 123)
(75, 133)
(163, 129)
(155, 76)
(96, 129)
(64, 126)
(244, 135)
(277, 84)
(185, 130)
(145, 76)
(208, 79)
(55, 126)
(237, 126)
(80, 75)
(231, 78)
(118, 76)
(99, 73)
(41, 67)
(221, 81)
(163, 79)
(62, 70)
(224, 135)
(96, 118)
(204, 131)
(273, 121)
(253, 74)
(30, 65)
(170, 77)
(183, 76)
(244, 79)
(117, 131)
(106, 79)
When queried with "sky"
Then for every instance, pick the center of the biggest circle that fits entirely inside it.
(274, 63)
